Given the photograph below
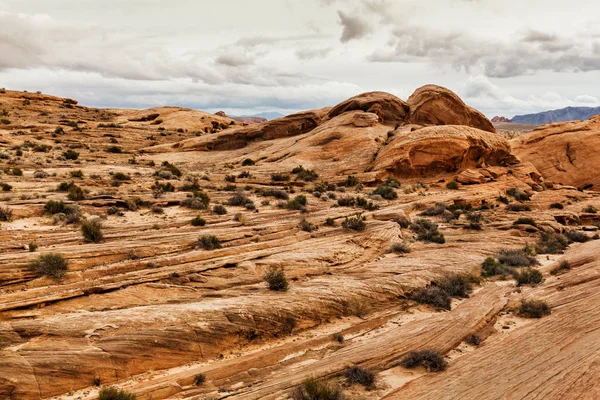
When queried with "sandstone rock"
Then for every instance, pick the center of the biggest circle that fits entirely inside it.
(564, 152)
(470, 177)
(390, 109)
(435, 105)
(441, 149)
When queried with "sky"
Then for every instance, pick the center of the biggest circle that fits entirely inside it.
(503, 57)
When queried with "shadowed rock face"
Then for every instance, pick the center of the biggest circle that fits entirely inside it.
(564, 153)
(390, 109)
(441, 149)
(436, 105)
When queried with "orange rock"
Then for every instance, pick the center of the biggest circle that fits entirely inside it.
(390, 109)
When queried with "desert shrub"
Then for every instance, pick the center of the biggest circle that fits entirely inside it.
(432, 360)
(533, 309)
(313, 389)
(5, 121)
(366, 204)
(307, 175)
(456, 285)
(576, 236)
(276, 280)
(209, 242)
(112, 393)
(515, 258)
(387, 192)
(590, 210)
(239, 199)
(198, 221)
(247, 162)
(427, 231)
(434, 211)
(190, 186)
(278, 194)
(114, 150)
(65, 186)
(351, 181)
(452, 185)
(329, 222)
(551, 243)
(230, 178)
(32, 247)
(557, 206)
(356, 223)
(17, 171)
(492, 267)
(400, 248)
(360, 375)
(527, 276)
(219, 209)
(6, 214)
(121, 176)
(6, 187)
(92, 230)
(347, 201)
(473, 340)
(433, 296)
(157, 209)
(113, 210)
(199, 201)
(199, 379)
(518, 207)
(297, 203)
(403, 222)
(54, 207)
(244, 175)
(70, 154)
(76, 193)
(338, 337)
(562, 267)
(524, 221)
(76, 173)
(51, 264)
(279, 177)
(306, 226)
(518, 194)
(159, 189)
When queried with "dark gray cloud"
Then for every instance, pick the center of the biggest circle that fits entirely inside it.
(354, 27)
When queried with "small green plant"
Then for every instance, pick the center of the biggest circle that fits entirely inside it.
(387, 192)
(209, 242)
(198, 221)
(360, 375)
(533, 309)
(71, 155)
(351, 181)
(276, 280)
(92, 230)
(112, 393)
(297, 203)
(52, 264)
(427, 231)
(219, 209)
(313, 389)
(355, 223)
(432, 360)
(528, 276)
(452, 185)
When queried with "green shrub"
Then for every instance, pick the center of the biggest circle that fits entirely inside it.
(528, 276)
(71, 155)
(65, 186)
(6, 187)
(306, 226)
(473, 340)
(111, 393)
(230, 178)
(351, 181)
(360, 375)
(347, 201)
(525, 221)
(492, 267)
(198, 221)
(576, 236)
(557, 206)
(76, 173)
(387, 192)
(32, 247)
(432, 360)
(400, 248)
(356, 223)
(76, 193)
(533, 309)
(54, 207)
(17, 172)
(452, 185)
(312, 389)
(515, 258)
(114, 150)
(6, 214)
(92, 230)
(121, 176)
(50, 264)
(306, 175)
(247, 162)
(297, 203)
(219, 209)
(209, 242)
(551, 243)
(278, 194)
(279, 177)
(275, 278)
(427, 231)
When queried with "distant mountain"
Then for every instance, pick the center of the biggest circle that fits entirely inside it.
(562, 115)
(500, 119)
(268, 115)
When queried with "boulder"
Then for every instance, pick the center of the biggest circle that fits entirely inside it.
(436, 105)
(390, 109)
(470, 177)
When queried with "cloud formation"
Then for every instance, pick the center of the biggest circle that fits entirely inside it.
(354, 27)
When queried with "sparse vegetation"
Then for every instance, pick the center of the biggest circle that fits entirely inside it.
(360, 375)
(6, 214)
(431, 360)
(355, 223)
(473, 340)
(92, 230)
(276, 280)
(527, 276)
(198, 221)
(400, 248)
(313, 389)
(562, 267)
(387, 192)
(51, 264)
(533, 309)
(71, 155)
(219, 209)
(199, 379)
(427, 231)
(112, 393)
(280, 177)
(209, 242)
(297, 203)
(452, 185)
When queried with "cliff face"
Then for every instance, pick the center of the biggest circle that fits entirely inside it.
(562, 115)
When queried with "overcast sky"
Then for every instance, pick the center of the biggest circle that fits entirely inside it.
(504, 57)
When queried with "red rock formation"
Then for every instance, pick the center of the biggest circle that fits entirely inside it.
(500, 119)
(435, 105)
(390, 109)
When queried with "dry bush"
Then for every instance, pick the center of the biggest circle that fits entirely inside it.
(51, 264)
(432, 360)
(276, 280)
(534, 309)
